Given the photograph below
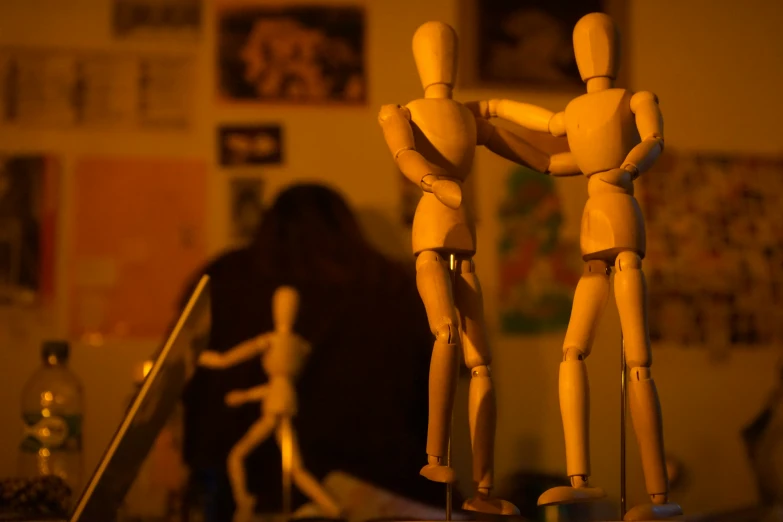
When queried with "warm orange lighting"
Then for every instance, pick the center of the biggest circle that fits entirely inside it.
(146, 368)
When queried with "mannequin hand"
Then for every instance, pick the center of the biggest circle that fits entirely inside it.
(210, 359)
(619, 178)
(448, 192)
(235, 398)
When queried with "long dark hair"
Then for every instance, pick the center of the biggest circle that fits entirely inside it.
(310, 235)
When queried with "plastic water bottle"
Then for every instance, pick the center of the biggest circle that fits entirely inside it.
(52, 406)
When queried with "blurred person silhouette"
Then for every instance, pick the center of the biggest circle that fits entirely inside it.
(363, 393)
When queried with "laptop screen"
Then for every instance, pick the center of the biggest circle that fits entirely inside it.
(149, 411)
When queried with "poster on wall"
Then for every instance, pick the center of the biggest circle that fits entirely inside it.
(156, 19)
(245, 145)
(57, 88)
(138, 238)
(291, 53)
(29, 199)
(714, 249)
(526, 42)
(539, 269)
(246, 207)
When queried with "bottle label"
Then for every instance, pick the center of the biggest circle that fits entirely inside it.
(63, 433)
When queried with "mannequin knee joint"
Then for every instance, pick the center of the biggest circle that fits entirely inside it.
(446, 332)
(640, 373)
(574, 353)
(426, 257)
(480, 371)
(628, 261)
(596, 266)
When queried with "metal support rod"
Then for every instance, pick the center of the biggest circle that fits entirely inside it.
(287, 453)
(450, 486)
(623, 405)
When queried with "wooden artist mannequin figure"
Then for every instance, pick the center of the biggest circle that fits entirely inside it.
(433, 141)
(283, 354)
(614, 135)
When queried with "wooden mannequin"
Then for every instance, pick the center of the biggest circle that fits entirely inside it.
(614, 135)
(283, 354)
(433, 141)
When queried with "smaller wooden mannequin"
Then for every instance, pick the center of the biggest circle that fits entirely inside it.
(283, 354)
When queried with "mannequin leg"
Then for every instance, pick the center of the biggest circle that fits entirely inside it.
(631, 295)
(303, 480)
(257, 433)
(434, 284)
(590, 299)
(481, 401)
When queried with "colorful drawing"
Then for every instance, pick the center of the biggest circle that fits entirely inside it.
(714, 259)
(29, 199)
(138, 237)
(538, 269)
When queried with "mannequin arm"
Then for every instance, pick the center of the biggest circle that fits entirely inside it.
(563, 164)
(236, 355)
(649, 121)
(514, 148)
(396, 124)
(237, 397)
(528, 116)
(510, 146)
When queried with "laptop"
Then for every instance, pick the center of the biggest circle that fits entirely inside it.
(148, 413)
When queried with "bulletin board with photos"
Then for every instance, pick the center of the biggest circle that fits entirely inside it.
(714, 249)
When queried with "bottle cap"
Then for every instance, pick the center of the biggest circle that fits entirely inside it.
(57, 350)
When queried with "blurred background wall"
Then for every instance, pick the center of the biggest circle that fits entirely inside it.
(715, 65)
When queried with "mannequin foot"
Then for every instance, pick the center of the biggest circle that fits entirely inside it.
(245, 507)
(578, 491)
(483, 503)
(658, 509)
(437, 471)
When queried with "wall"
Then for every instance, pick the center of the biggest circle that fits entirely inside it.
(710, 64)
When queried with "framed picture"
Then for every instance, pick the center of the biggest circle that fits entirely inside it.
(242, 145)
(29, 200)
(526, 43)
(246, 207)
(156, 18)
(296, 54)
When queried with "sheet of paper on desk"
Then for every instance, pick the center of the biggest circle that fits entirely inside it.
(138, 236)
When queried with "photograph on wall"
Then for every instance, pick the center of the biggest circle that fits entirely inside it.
(410, 194)
(539, 269)
(243, 145)
(714, 249)
(165, 89)
(29, 197)
(298, 54)
(61, 89)
(246, 207)
(138, 238)
(158, 19)
(526, 42)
